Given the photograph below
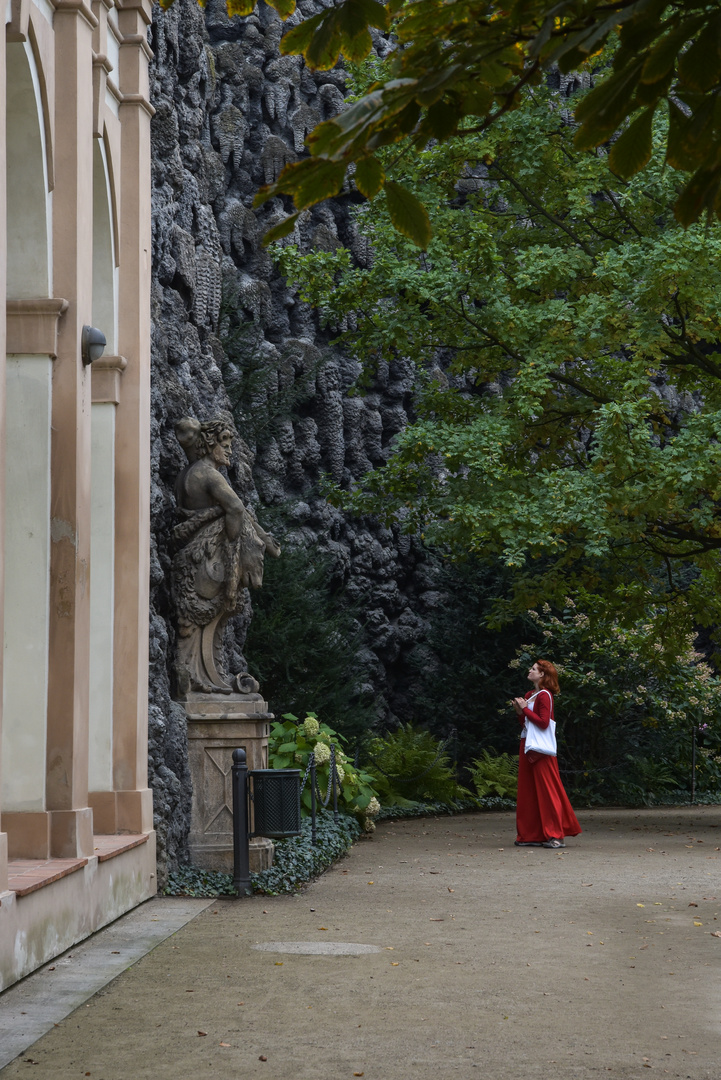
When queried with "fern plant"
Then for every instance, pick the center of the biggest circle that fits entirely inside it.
(411, 765)
(495, 774)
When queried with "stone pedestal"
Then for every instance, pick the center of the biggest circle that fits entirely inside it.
(218, 725)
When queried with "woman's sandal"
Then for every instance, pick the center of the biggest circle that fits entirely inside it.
(527, 843)
(554, 843)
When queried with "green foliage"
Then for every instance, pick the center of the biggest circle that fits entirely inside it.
(304, 642)
(464, 64)
(296, 861)
(625, 716)
(289, 747)
(460, 674)
(495, 774)
(412, 765)
(566, 332)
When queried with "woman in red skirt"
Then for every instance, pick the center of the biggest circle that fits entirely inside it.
(544, 816)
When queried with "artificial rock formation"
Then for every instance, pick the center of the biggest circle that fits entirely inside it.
(230, 112)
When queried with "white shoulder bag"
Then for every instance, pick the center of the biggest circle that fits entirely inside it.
(542, 740)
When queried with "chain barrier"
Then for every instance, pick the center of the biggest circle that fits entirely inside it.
(331, 773)
(311, 762)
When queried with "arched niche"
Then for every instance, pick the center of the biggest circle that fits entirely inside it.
(28, 201)
(105, 279)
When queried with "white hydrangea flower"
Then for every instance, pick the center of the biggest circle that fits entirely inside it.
(340, 773)
(369, 826)
(373, 808)
(322, 753)
(311, 727)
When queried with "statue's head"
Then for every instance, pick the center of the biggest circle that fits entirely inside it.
(211, 438)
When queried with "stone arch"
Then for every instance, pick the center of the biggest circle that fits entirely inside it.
(105, 278)
(29, 245)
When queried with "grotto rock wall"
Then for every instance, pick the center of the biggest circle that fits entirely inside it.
(230, 112)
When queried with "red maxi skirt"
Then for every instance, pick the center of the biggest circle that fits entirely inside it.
(542, 809)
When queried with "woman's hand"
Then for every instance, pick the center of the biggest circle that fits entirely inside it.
(519, 704)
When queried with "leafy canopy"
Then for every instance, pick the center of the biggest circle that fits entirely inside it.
(566, 331)
(460, 65)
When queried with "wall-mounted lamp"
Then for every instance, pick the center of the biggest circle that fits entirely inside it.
(92, 345)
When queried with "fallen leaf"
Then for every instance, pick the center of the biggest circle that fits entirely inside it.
(202, 1033)
(587, 884)
(697, 923)
(435, 920)
(115, 952)
(279, 963)
(390, 948)
(359, 1074)
(262, 1058)
(451, 890)
(434, 871)
(693, 904)
(394, 963)
(716, 933)
(371, 882)
(640, 905)
(241, 1003)
(225, 1044)
(322, 927)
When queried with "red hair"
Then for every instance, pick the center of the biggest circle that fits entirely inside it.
(550, 676)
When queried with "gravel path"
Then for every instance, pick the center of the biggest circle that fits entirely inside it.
(435, 950)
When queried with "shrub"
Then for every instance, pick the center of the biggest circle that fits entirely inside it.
(412, 765)
(495, 774)
(296, 861)
(626, 714)
(304, 645)
(289, 747)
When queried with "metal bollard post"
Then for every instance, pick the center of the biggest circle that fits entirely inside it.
(334, 782)
(241, 854)
(693, 763)
(312, 798)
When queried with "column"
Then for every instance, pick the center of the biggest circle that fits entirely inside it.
(132, 430)
(106, 396)
(69, 636)
(32, 327)
(3, 272)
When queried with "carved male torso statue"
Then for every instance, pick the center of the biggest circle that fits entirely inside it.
(220, 549)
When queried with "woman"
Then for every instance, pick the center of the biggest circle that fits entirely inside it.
(544, 816)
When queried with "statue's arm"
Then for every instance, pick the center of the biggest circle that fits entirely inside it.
(222, 493)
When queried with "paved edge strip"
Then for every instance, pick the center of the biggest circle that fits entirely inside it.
(32, 1007)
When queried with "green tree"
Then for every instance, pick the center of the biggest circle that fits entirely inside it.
(304, 645)
(566, 331)
(460, 65)
(625, 719)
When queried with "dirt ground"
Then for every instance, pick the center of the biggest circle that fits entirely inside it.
(494, 962)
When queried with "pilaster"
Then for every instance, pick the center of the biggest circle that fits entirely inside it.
(3, 292)
(69, 631)
(132, 429)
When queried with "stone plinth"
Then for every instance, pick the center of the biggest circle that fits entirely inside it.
(218, 725)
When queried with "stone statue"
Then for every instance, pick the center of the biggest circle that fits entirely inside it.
(220, 548)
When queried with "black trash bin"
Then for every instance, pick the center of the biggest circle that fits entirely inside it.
(276, 802)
